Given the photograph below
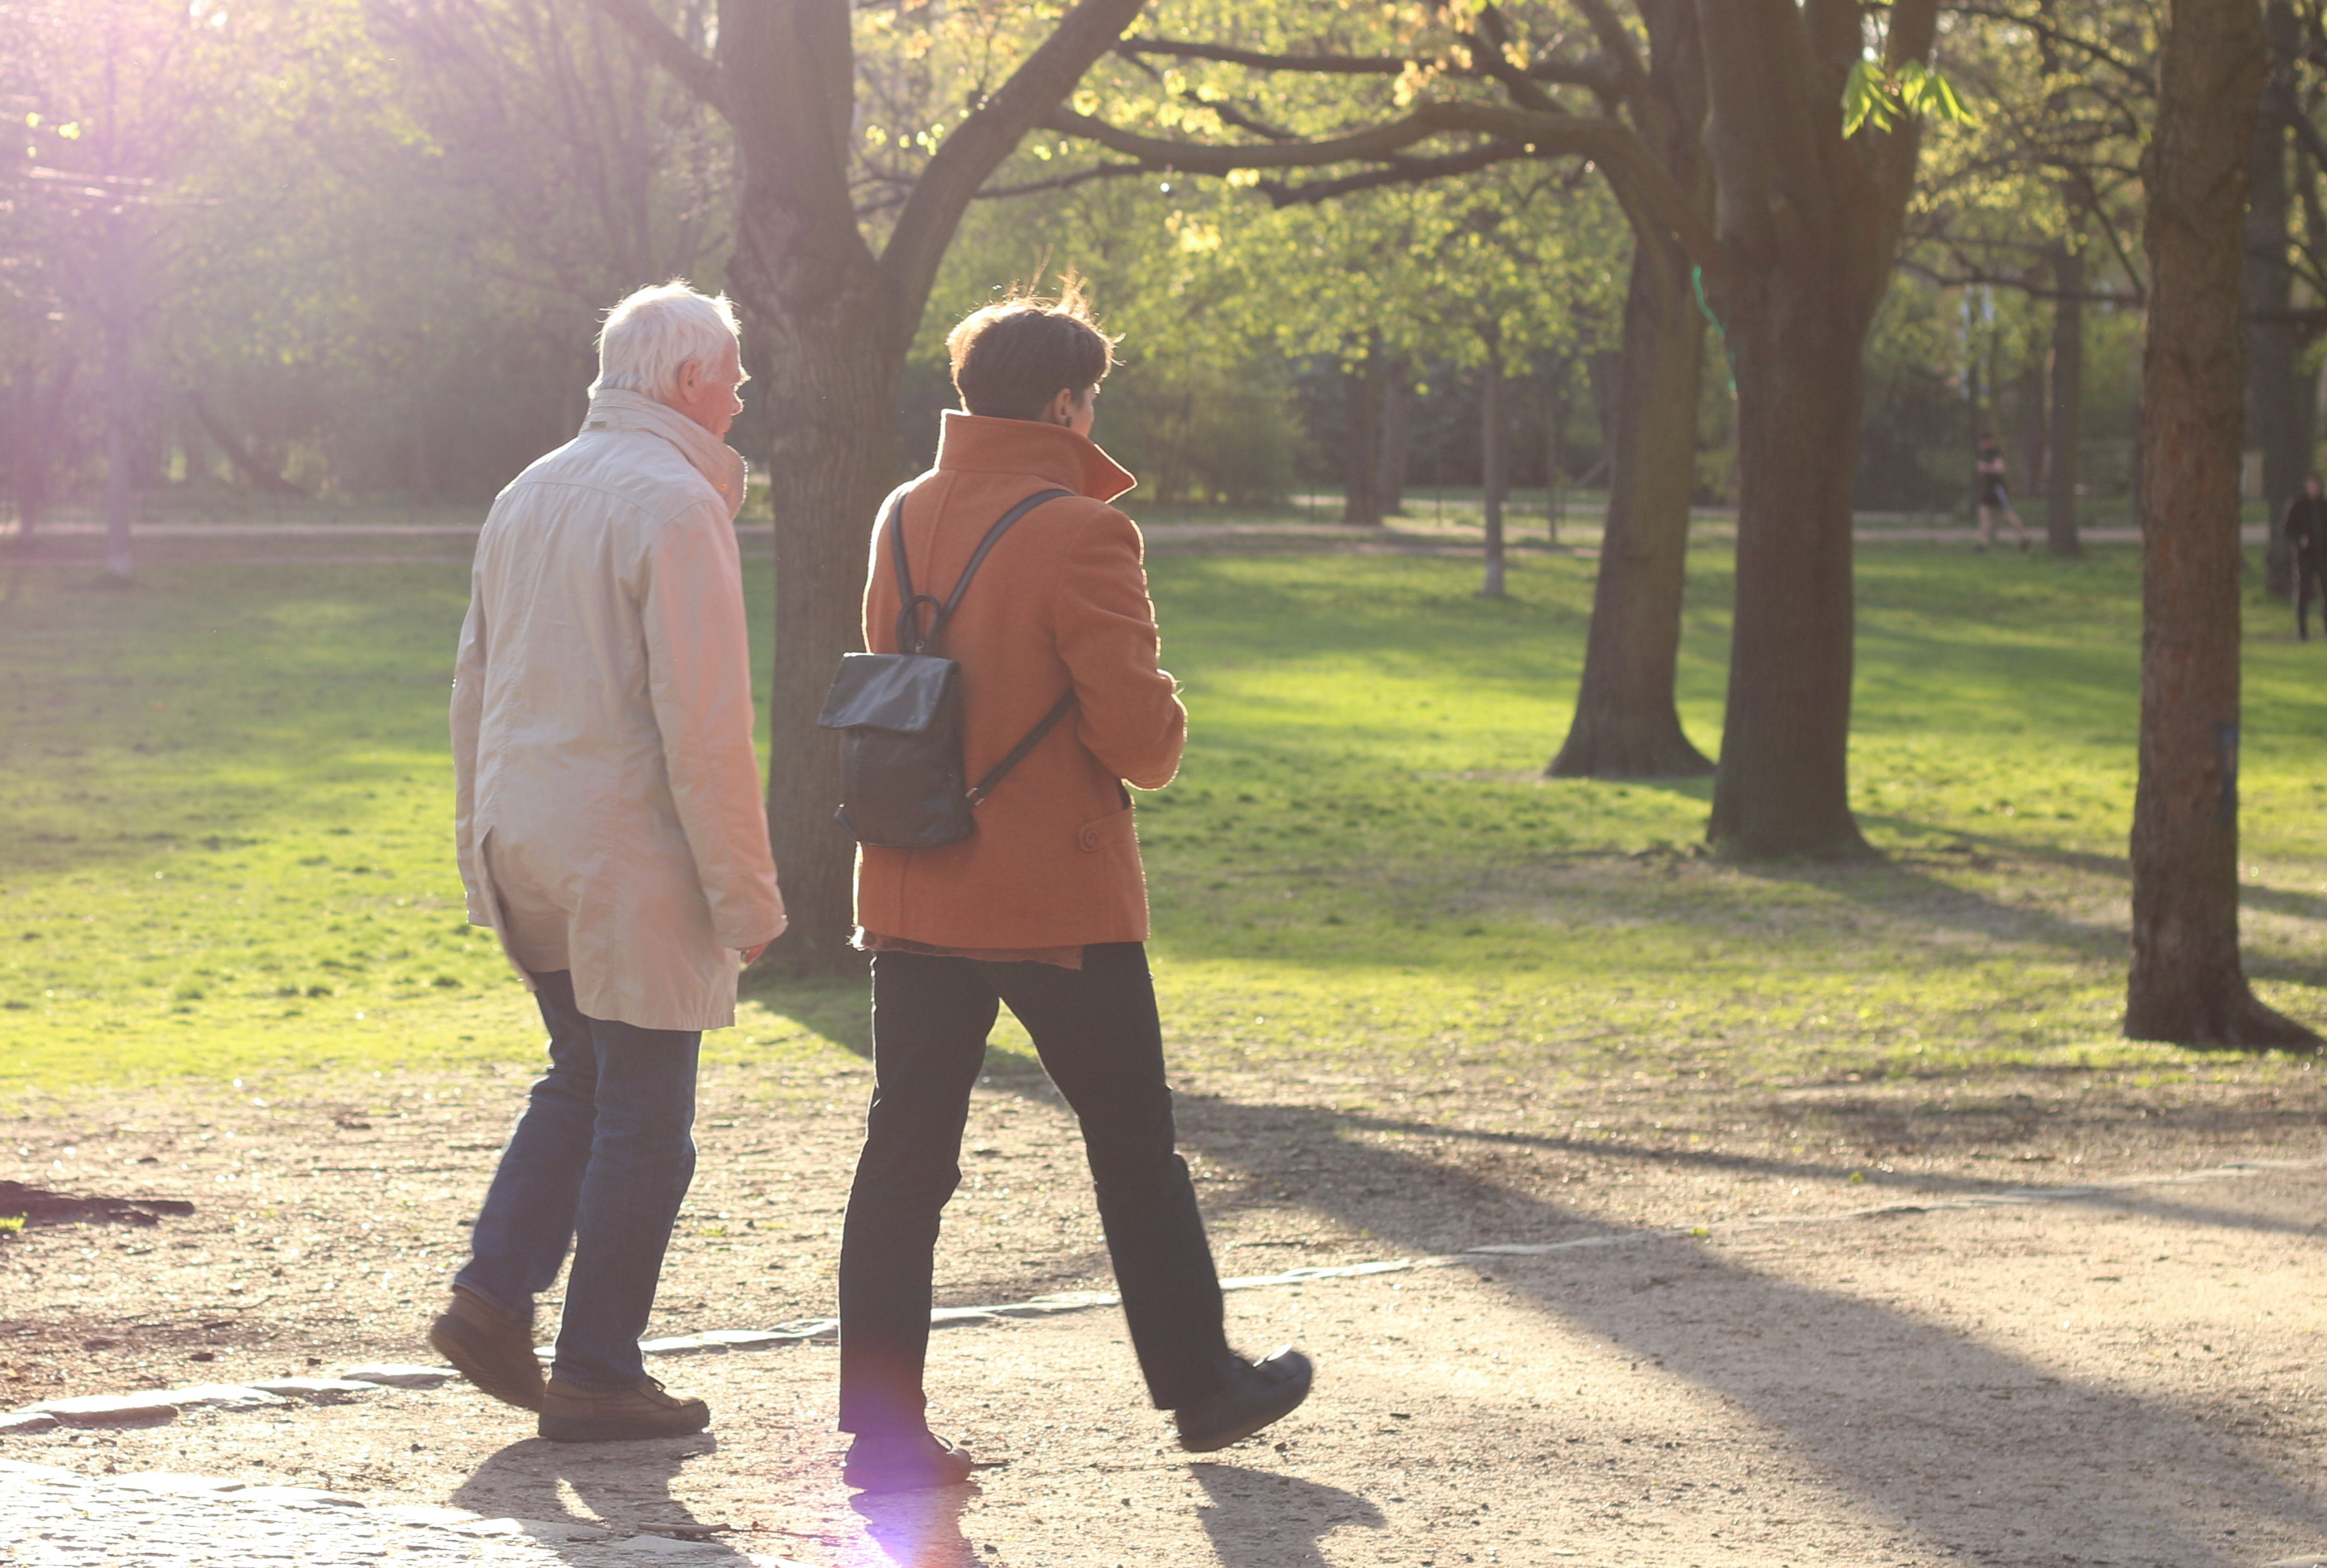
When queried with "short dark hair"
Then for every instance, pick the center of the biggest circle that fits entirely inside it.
(1011, 358)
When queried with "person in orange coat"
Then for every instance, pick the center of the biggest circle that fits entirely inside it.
(1042, 909)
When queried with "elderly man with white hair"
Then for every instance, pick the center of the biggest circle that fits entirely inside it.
(611, 832)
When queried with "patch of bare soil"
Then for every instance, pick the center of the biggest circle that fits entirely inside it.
(1768, 1393)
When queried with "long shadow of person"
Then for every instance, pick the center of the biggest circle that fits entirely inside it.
(1983, 1448)
(917, 1529)
(1261, 1519)
(624, 1485)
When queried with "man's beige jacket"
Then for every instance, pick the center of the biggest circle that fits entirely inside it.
(608, 819)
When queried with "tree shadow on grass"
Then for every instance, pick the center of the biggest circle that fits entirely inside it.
(1905, 1415)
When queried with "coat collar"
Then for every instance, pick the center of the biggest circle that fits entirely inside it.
(713, 459)
(1028, 447)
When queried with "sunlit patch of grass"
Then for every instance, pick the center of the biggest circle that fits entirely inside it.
(225, 810)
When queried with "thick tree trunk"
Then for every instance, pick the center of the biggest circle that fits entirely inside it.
(1554, 457)
(828, 349)
(2034, 424)
(34, 441)
(2187, 985)
(1781, 788)
(1361, 458)
(2275, 404)
(119, 564)
(1490, 462)
(1625, 724)
(1396, 436)
(2062, 474)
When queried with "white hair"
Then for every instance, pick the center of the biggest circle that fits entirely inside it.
(652, 334)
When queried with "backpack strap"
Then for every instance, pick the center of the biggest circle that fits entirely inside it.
(977, 557)
(908, 603)
(1018, 753)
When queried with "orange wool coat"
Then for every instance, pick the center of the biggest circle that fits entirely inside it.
(1061, 600)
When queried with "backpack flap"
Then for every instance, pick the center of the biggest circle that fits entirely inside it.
(904, 692)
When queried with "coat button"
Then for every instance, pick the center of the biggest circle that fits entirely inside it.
(1090, 838)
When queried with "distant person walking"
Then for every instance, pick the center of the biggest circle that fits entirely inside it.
(2306, 540)
(1991, 495)
(1042, 909)
(610, 831)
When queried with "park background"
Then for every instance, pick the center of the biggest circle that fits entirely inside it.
(288, 289)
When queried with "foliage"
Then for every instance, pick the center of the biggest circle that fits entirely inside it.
(225, 846)
(1875, 94)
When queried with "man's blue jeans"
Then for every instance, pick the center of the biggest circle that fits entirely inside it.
(600, 1161)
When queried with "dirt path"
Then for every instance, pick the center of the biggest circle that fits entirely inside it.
(2130, 1377)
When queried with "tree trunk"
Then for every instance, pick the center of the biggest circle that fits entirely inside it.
(1625, 724)
(1555, 464)
(119, 564)
(35, 440)
(2033, 423)
(2275, 400)
(1808, 221)
(1782, 785)
(2062, 474)
(1361, 458)
(2187, 985)
(828, 346)
(1396, 436)
(1490, 461)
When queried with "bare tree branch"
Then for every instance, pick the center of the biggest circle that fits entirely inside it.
(699, 75)
(977, 147)
(1613, 144)
(1202, 158)
(1975, 276)
(1490, 57)
(2035, 23)
(1616, 45)
(1336, 64)
(1396, 172)
(1062, 182)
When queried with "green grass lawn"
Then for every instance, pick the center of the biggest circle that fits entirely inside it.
(225, 818)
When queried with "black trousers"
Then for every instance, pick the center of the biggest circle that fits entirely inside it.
(2307, 586)
(1097, 1032)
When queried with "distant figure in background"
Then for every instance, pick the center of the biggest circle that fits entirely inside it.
(1990, 495)
(610, 831)
(2306, 541)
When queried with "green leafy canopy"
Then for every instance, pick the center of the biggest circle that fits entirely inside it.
(1873, 93)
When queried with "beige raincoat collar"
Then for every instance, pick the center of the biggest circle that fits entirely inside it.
(618, 409)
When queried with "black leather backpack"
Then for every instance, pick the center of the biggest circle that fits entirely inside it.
(903, 782)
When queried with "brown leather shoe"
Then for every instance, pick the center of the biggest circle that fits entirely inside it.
(492, 1349)
(571, 1415)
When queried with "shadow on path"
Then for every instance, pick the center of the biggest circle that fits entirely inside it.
(917, 1529)
(1258, 1519)
(1895, 1410)
(622, 1484)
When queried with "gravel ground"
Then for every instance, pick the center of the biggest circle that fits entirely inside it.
(2128, 1377)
